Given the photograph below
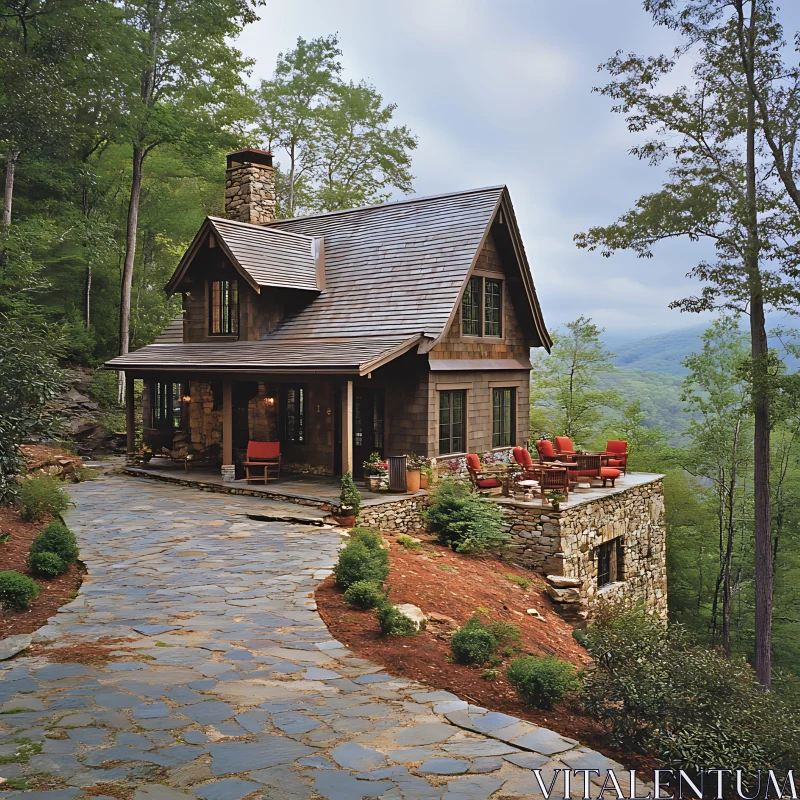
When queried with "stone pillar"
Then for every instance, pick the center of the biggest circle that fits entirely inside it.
(250, 187)
(130, 420)
(228, 467)
(347, 427)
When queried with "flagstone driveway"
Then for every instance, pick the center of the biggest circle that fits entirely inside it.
(230, 684)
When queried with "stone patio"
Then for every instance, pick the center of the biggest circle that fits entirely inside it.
(229, 683)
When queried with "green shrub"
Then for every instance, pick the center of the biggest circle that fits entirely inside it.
(520, 581)
(371, 539)
(391, 621)
(56, 538)
(82, 474)
(357, 562)
(504, 632)
(17, 590)
(364, 594)
(349, 496)
(655, 691)
(466, 522)
(41, 496)
(473, 644)
(542, 682)
(47, 564)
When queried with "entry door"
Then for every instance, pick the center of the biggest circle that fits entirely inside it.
(367, 425)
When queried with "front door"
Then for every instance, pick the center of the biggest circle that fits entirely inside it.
(242, 393)
(367, 426)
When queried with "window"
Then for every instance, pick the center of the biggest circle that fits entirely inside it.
(471, 308)
(610, 563)
(224, 319)
(166, 405)
(492, 307)
(452, 430)
(294, 414)
(482, 307)
(503, 417)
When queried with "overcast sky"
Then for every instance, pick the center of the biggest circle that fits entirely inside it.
(499, 91)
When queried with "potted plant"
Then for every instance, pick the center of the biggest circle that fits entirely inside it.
(414, 472)
(146, 453)
(375, 468)
(346, 512)
(425, 474)
(555, 500)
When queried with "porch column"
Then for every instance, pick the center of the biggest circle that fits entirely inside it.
(228, 467)
(347, 427)
(130, 420)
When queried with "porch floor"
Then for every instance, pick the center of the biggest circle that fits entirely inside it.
(312, 490)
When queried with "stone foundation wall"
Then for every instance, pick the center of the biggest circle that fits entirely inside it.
(565, 543)
(404, 516)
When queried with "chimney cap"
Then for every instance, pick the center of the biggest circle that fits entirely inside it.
(249, 156)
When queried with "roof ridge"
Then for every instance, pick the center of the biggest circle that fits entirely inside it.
(269, 227)
(402, 201)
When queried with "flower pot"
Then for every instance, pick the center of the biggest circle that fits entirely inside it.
(344, 520)
(413, 477)
(373, 482)
(423, 480)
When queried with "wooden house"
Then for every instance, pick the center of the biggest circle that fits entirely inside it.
(401, 327)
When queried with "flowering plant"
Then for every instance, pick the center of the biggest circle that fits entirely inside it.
(375, 465)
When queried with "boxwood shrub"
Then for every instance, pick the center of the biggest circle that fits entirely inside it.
(17, 590)
(358, 562)
(542, 681)
(46, 564)
(391, 621)
(364, 594)
(56, 538)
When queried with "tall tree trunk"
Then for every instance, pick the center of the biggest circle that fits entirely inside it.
(8, 194)
(731, 521)
(127, 266)
(761, 400)
(87, 298)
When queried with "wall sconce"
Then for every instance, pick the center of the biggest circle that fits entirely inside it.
(187, 399)
(270, 401)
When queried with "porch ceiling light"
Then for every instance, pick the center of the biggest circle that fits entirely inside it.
(270, 401)
(187, 399)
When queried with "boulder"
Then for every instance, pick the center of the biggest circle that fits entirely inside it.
(570, 595)
(563, 582)
(414, 613)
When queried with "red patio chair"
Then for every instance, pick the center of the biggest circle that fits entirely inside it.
(545, 449)
(618, 452)
(564, 446)
(265, 456)
(480, 480)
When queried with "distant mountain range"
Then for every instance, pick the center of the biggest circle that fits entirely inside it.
(663, 352)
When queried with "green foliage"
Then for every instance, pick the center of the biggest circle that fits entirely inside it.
(335, 141)
(519, 580)
(17, 590)
(473, 644)
(56, 538)
(463, 520)
(47, 564)
(82, 474)
(408, 542)
(40, 496)
(29, 378)
(391, 621)
(349, 496)
(566, 398)
(357, 562)
(656, 692)
(503, 632)
(370, 538)
(542, 681)
(364, 594)
(490, 674)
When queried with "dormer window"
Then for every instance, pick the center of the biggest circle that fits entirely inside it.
(482, 307)
(224, 316)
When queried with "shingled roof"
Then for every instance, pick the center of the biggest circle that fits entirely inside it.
(356, 356)
(264, 256)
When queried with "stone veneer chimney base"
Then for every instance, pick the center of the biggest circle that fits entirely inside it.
(250, 187)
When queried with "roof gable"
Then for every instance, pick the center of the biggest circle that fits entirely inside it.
(263, 256)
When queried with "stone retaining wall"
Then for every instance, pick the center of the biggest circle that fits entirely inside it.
(404, 516)
(565, 543)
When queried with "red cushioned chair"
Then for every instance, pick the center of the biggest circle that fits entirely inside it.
(564, 446)
(545, 449)
(480, 480)
(263, 456)
(523, 458)
(618, 452)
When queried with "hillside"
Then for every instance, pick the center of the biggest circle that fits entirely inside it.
(662, 353)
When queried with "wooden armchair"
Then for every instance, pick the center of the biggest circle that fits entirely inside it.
(480, 480)
(553, 479)
(263, 456)
(564, 448)
(545, 449)
(617, 452)
(523, 458)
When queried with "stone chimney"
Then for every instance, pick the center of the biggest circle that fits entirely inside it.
(250, 187)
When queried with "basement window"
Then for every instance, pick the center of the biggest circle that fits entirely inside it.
(610, 562)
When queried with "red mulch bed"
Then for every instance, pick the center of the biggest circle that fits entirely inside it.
(449, 588)
(55, 592)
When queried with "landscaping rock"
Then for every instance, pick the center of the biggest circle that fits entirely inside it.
(534, 613)
(12, 645)
(563, 595)
(414, 613)
(563, 582)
